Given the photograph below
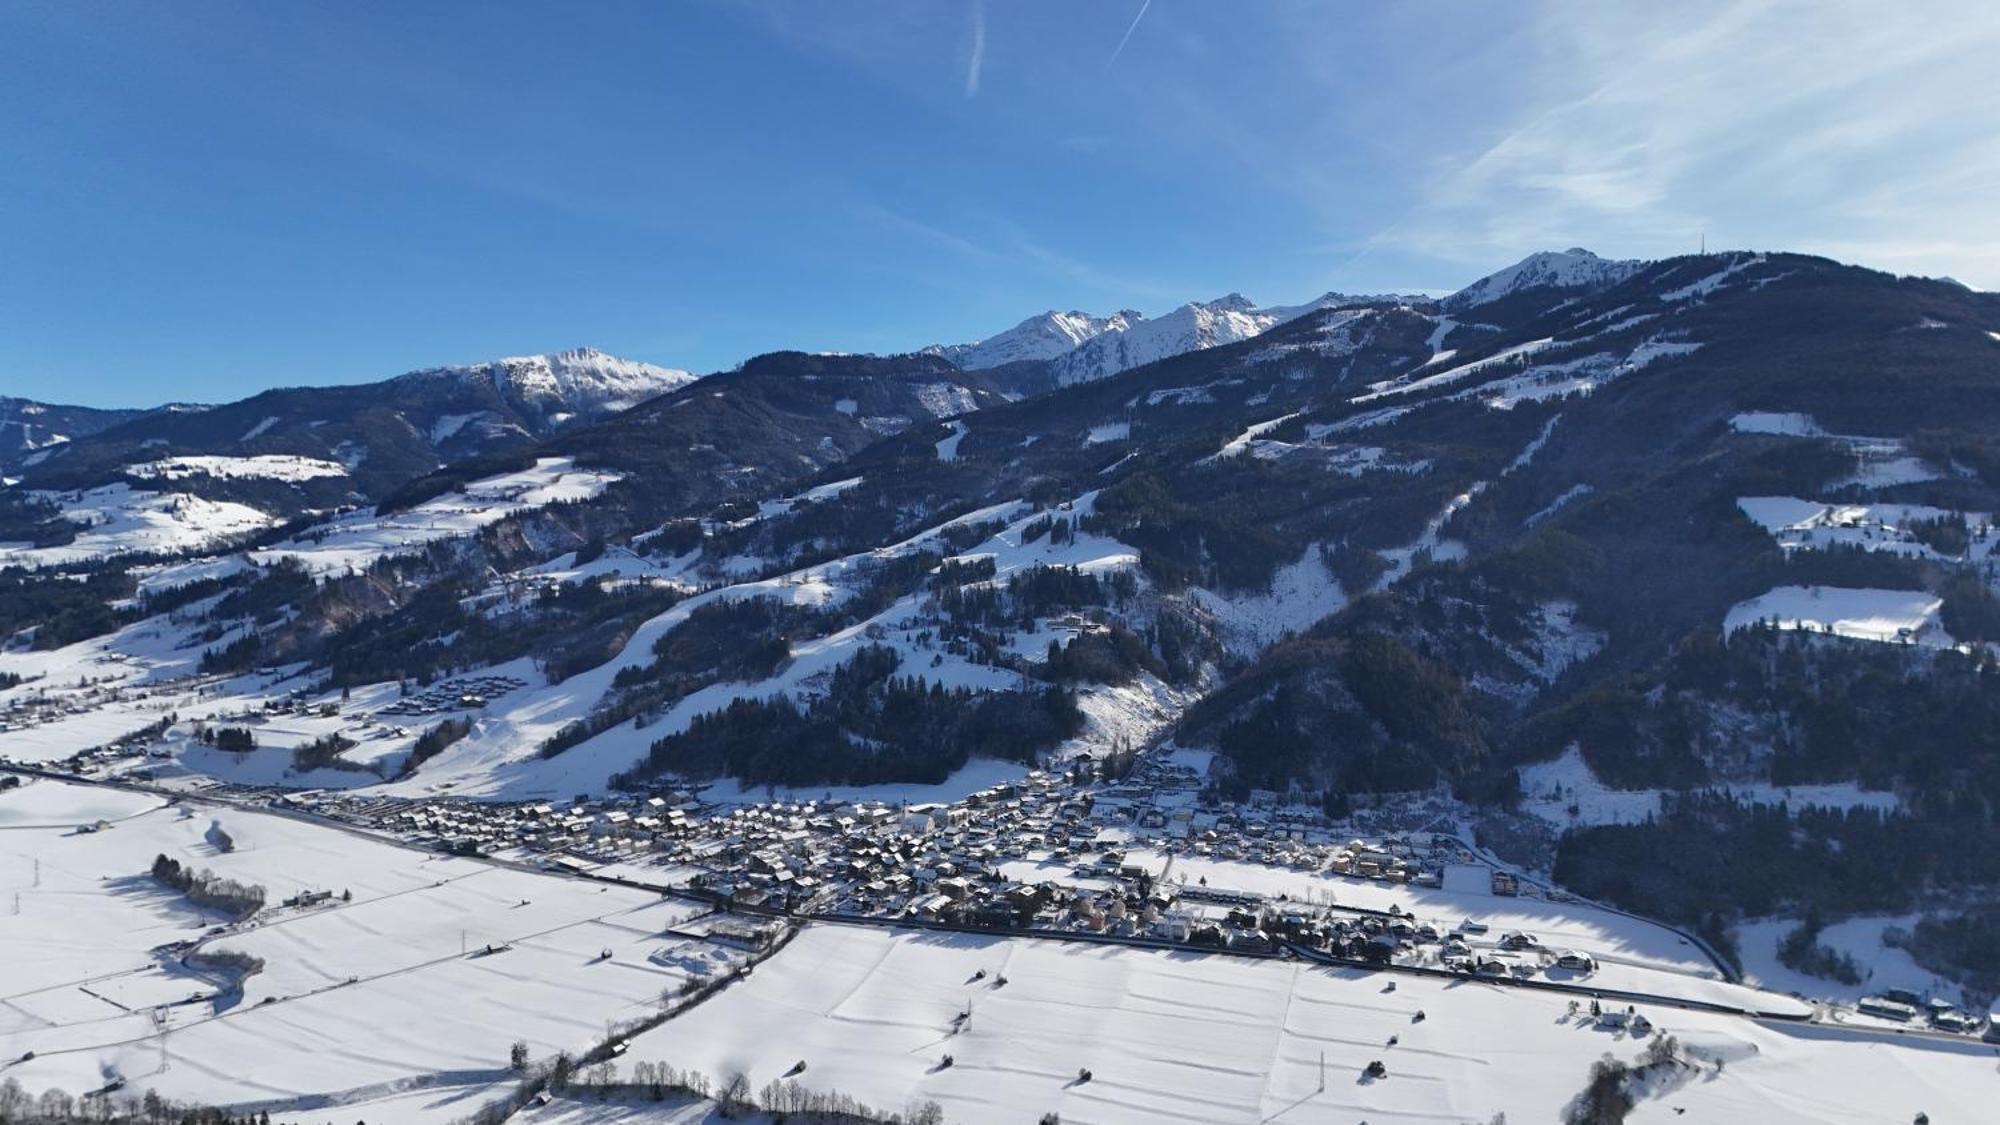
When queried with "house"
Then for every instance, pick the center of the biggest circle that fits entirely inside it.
(1581, 962)
(1881, 1007)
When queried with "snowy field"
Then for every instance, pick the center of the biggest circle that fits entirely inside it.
(1185, 1037)
(1819, 525)
(1552, 789)
(1633, 954)
(358, 998)
(117, 519)
(1894, 616)
(1884, 462)
(353, 542)
(270, 466)
(1882, 966)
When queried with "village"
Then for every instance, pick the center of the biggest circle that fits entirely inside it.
(1134, 850)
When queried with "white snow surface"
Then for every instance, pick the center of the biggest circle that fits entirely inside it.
(355, 541)
(1301, 593)
(577, 380)
(1799, 524)
(1549, 269)
(1885, 462)
(1405, 384)
(1042, 336)
(947, 447)
(118, 519)
(1551, 789)
(1904, 616)
(1108, 432)
(1788, 424)
(1215, 1040)
(269, 466)
(367, 996)
(1081, 347)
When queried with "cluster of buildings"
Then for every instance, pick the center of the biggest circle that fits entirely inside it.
(1050, 852)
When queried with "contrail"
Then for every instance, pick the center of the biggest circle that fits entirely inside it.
(978, 50)
(1144, 4)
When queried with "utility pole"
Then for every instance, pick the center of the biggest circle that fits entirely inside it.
(1322, 1072)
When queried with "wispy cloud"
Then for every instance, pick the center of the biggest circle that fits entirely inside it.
(1869, 133)
(999, 244)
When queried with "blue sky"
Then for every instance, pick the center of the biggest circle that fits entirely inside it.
(200, 200)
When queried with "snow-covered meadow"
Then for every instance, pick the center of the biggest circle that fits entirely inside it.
(1890, 616)
(353, 542)
(117, 519)
(1186, 1037)
(383, 986)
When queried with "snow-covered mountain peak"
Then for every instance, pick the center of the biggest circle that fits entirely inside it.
(1042, 336)
(579, 379)
(1575, 268)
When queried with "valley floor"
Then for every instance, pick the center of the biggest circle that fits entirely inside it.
(399, 998)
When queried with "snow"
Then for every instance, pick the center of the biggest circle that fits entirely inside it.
(353, 542)
(1882, 966)
(266, 466)
(1108, 432)
(1301, 593)
(368, 996)
(1577, 376)
(118, 519)
(1885, 462)
(1242, 441)
(1903, 616)
(1568, 269)
(1568, 496)
(1181, 396)
(947, 448)
(259, 429)
(1079, 347)
(975, 775)
(1435, 342)
(1799, 524)
(500, 757)
(1405, 385)
(453, 1099)
(817, 494)
(944, 400)
(1044, 336)
(578, 379)
(1705, 286)
(447, 427)
(846, 406)
(1788, 424)
(1170, 1036)
(1553, 788)
(1888, 471)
